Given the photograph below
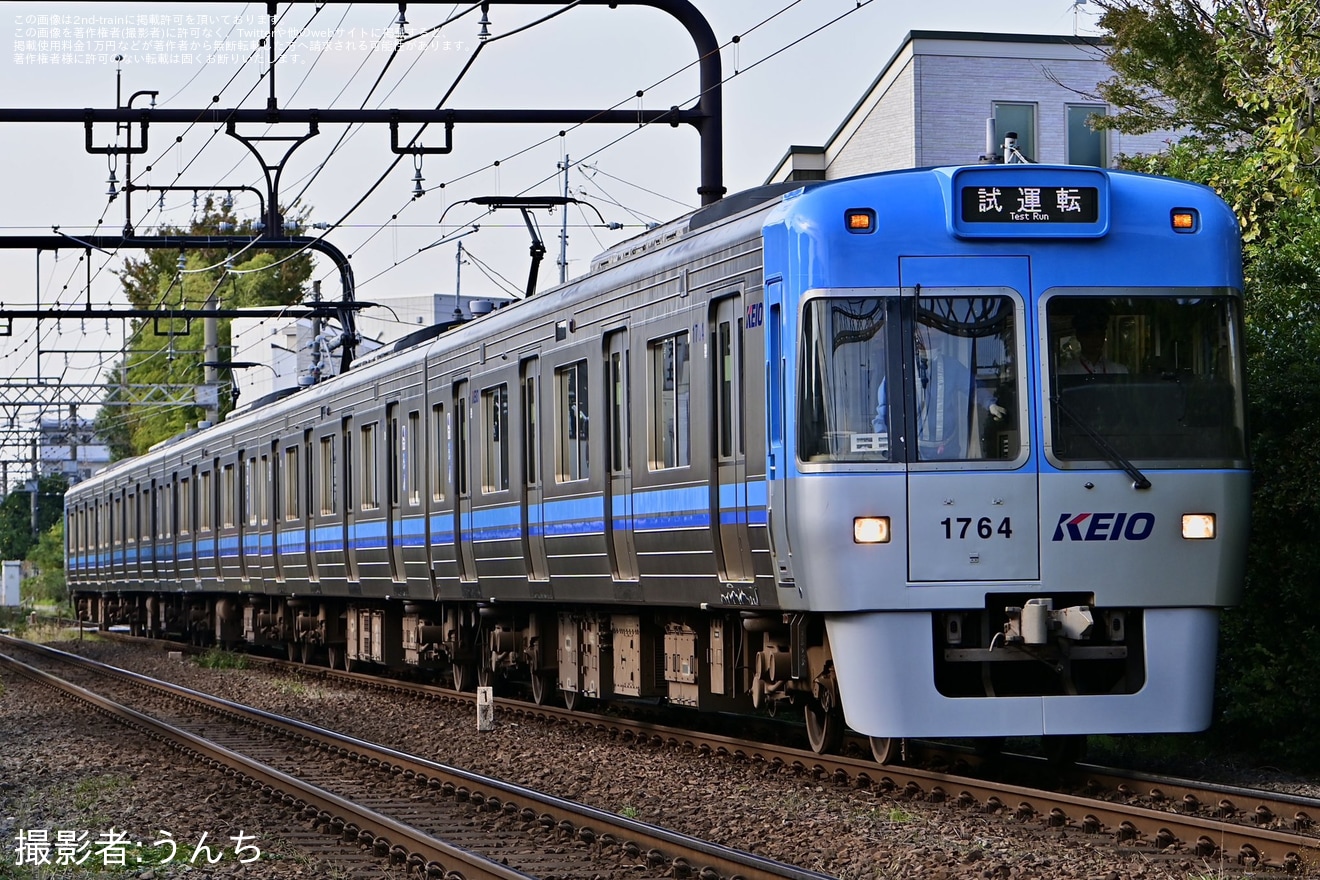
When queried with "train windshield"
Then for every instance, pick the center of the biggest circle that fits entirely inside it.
(948, 382)
(843, 396)
(1145, 377)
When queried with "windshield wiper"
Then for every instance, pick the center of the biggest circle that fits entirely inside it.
(1139, 480)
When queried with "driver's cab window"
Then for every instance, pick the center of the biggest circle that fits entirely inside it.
(964, 379)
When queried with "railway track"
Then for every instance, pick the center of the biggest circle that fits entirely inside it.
(440, 821)
(1250, 828)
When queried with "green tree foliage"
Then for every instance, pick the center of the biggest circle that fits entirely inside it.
(47, 558)
(1243, 75)
(165, 354)
(16, 536)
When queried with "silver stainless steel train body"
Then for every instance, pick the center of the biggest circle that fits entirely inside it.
(946, 452)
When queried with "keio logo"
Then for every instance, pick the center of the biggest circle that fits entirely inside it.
(1104, 526)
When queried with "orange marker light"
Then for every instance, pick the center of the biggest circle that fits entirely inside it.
(860, 220)
(1183, 220)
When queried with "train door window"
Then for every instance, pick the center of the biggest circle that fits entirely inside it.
(531, 440)
(620, 447)
(1087, 144)
(495, 439)
(204, 501)
(1020, 119)
(460, 440)
(964, 378)
(250, 489)
(227, 496)
(116, 511)
(261, 511)
(367, 455)
(131, 529)
(571, 441)
(328, 481)
(669, 431)
(436, 449)
(412, 458)
(185, 506)
(395, 458)
(291, 484)
(729, 377)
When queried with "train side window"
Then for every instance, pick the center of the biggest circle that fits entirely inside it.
(290, 475)
(436, 448)
(412, 465)
(669, 440)
(367, 454)
(495, 439)
(571, 441)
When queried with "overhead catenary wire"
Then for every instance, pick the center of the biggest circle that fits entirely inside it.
(380, 227)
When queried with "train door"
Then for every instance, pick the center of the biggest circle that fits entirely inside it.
(153, 531)
(619, 497)
(777, 487)
(729, 490)
(349, 534)
(396, 458)
(273, 512)
(309, 510)
(467, 566)
(972, 488)
(533, 512)
(248, 561)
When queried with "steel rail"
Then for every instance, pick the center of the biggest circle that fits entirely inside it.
(1126, 824)
(437, 858)
(586, 822)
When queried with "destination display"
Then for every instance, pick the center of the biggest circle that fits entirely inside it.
(1030, 204)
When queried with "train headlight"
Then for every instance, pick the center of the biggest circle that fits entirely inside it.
(871, 530)
(1198, 526)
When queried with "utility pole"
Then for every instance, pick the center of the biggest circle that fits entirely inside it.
(458, 281)
(211, 374)
(563, 227)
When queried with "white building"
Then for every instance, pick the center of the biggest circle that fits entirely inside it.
(70, 446)
(942, 94)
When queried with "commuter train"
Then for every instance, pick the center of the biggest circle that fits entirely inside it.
(938, 452)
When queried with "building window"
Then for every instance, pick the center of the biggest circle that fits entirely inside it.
(571, 387)
(669, 433)
(1019, 119)
(1086, 144)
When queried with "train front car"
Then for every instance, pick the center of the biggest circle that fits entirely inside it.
(1007, 447)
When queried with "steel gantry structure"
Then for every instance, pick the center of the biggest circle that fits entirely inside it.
(705, 115)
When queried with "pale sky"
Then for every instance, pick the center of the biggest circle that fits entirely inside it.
(798, 76)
